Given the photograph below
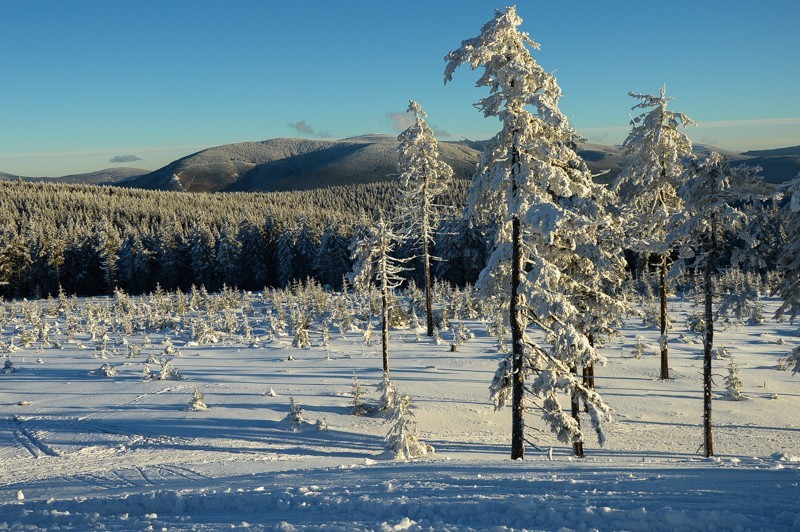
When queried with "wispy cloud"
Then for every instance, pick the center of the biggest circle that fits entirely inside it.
(399, 121)
(305, 129)
(402, 121)
(124, 159)
(753, 122)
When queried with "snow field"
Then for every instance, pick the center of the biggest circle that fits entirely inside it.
(89, 451)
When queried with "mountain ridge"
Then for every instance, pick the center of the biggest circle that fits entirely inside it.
(282, 164)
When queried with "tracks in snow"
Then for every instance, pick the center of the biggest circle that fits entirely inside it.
(30, 440)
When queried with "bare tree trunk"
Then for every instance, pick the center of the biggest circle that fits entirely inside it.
(588, 374)
(428, 286)
(426, 255)
(664, 348)
(518, 382)
(709, 343)
(588, 370)
(385, 326)
(577, 446)
(518, 390)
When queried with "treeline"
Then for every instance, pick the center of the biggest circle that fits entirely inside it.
(89, 239)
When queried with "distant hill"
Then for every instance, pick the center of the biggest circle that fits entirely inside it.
(791, 151)
(294, 164)
(108, 176)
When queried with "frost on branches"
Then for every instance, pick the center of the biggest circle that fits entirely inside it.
(422, 179)
(789, 259)
(556, 257)
(648, 186)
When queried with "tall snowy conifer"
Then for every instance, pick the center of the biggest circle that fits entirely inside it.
(372, 256)
(709, 212)
(648, 185)
(789, 259)
(537, 198)
(422, 179)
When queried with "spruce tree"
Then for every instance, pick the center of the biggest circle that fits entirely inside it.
(648, 185)
(709, 210)
(537, 198)
(422, 179)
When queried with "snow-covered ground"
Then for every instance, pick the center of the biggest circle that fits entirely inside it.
(79, 450)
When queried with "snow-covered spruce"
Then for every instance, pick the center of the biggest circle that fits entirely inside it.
(709, 203)
(422, 179)
(733, 384)
(373, 260)
(556, 253)
(648, 187)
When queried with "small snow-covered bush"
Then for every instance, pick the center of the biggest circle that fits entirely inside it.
(8, 366)
(169, 372)
(402, 436)
(295, 415)
(106, 370)
(358, 408)
(197, 402)
(638, 349)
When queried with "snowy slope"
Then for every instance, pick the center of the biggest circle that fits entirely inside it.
(82, 451)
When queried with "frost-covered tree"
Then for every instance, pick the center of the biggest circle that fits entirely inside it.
(648, 185)
(537, 197)
(789, 259)
(373, 261)
(709, 209)
(422, 179)
(733, 384)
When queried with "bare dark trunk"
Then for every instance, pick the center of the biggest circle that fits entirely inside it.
(385, 327)
(577, 446)
(709, 343)
(428, 287)
(518, 389)
(664, 348)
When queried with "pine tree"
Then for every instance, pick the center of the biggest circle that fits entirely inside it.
(647, 187)
(537, 198)
(422, 180)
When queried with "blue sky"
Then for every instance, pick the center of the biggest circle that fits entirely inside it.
(86, 82)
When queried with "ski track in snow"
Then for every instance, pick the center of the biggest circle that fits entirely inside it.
(122, 454)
